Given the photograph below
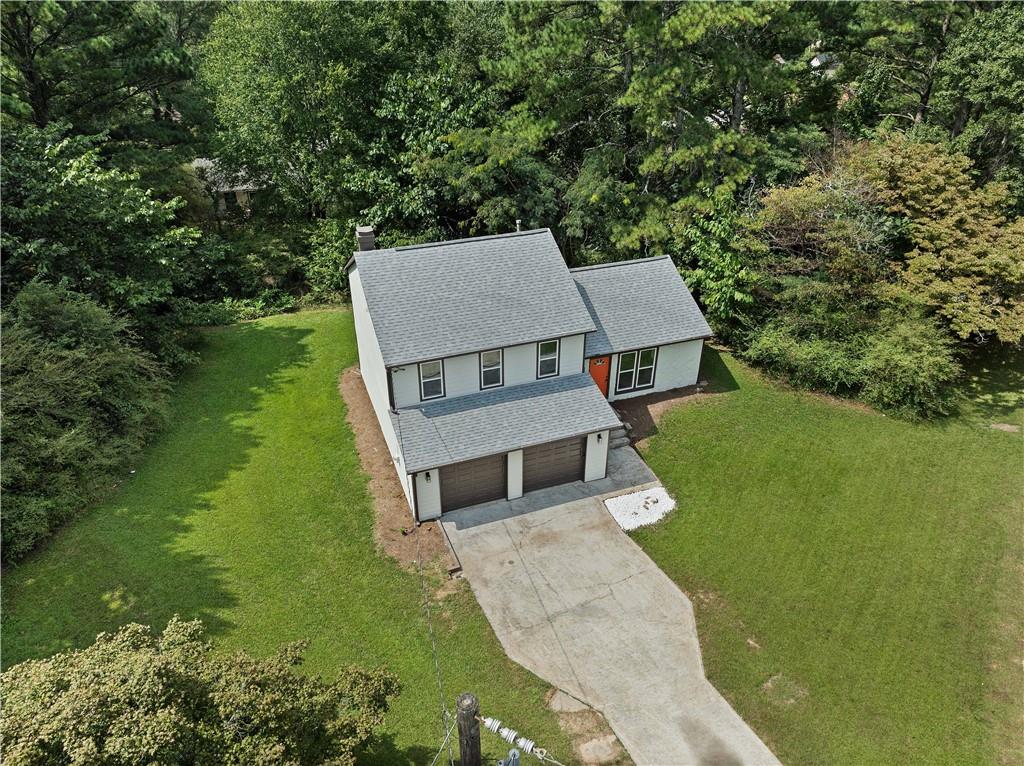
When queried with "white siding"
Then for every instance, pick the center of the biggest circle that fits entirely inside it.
(371, 366)
(571, 362)
(520, 364)
(428, 495)
(462, 373)
(515, 474)
(597, 456)
(678, 366)
(405, 384)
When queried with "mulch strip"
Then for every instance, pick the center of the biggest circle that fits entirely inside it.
(393, 523)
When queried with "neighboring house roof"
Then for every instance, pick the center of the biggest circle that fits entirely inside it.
(219, 179)
(448, 431)
(448, 298)
(636, 304)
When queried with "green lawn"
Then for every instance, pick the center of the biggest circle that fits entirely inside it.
(868, 567)
(252, 513)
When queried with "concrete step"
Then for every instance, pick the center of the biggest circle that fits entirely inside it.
(618, 441)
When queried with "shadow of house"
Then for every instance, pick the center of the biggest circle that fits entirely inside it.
(124, 560)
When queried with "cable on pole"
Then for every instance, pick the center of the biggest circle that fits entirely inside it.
(447, 739)
(446, 718)
(513, 737)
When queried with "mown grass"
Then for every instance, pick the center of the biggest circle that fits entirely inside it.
(251, 512)
(857, 578)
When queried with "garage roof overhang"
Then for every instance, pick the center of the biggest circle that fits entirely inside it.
(440, 433)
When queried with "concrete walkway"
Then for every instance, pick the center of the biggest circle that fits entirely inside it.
(578, 603)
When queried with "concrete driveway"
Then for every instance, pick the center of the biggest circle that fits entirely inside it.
(573, 599)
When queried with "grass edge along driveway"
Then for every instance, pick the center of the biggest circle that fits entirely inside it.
(856, 578)
(252, 513)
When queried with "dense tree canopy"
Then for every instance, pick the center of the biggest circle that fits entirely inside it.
(134, 697)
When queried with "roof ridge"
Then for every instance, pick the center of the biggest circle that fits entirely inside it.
(462, 240)
(620, 263)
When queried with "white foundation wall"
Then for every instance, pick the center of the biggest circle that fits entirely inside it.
(462, 373)
(371, 367)
(678, 366)
(596, 466)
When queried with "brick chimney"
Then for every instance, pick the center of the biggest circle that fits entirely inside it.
(365, 239)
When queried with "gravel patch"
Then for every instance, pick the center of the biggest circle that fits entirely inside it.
(638, 509)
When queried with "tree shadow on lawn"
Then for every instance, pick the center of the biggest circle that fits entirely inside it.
(383, 751)
(125, 560)
(994, 385)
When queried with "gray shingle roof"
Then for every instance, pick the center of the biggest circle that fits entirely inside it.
(467, 427)
(447, 298)
(636, 304)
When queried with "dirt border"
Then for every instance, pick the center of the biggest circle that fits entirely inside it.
(394, 529)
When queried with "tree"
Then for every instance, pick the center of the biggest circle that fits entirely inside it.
(942, 71)
(298, 90)
(135, 697)
(70, 220)
(72, 61)
(834, 309)
(964, 258)
(122, 69)
(80, 400)
(723, 280)
(979, 96)
(668, 101)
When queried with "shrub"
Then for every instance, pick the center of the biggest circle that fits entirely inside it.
(80, 399)
(330, 247)
(909, 369)
(826, 364)
(133, 697)
(904, 365)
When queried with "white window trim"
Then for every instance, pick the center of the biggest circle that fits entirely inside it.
(653, 367)
(500, 368)
(557, 357)
(419, 370)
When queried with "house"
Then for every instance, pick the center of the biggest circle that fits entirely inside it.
(232, 195)
(491, 365)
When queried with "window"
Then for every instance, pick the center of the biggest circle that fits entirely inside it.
(636, 370)
(490, 369)
(431, 380)
(547, 359)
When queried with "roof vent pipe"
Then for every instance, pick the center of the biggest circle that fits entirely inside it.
(365, 239)
(519, 224)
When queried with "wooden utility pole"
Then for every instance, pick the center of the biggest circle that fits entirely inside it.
(467, 708)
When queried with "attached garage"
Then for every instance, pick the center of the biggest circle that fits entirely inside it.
(560, 462)
(473, 481)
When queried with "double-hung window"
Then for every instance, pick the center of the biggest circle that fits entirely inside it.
(547, 358)
(431, 380)
(491, 375)
(636, 370)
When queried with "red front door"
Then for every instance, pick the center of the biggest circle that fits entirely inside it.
(600, 370)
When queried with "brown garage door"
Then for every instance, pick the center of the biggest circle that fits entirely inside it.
(472, 482)
(553, 463)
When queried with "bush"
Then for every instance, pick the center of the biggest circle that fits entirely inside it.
(80, 399)
(231, 310)
(133, 697)
(909, 369)
(904, 366)
(330, 247)
(826, 364)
